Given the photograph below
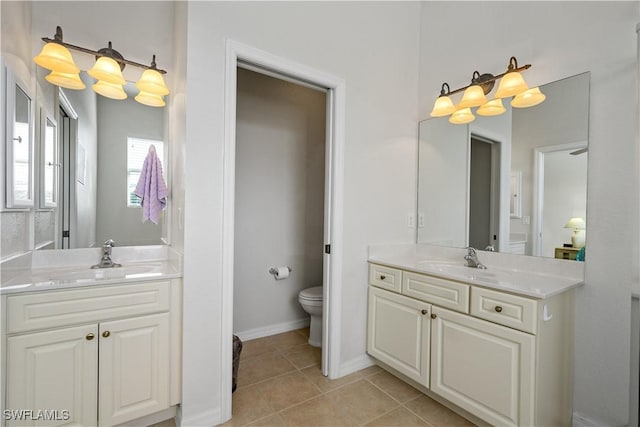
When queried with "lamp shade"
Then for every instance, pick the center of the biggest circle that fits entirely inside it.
(108, 70)
(109, 90)
(56, 57)
(528, 98)
(152, 82)
(442, 107)
(150, 99)
(473, 97)
(66, 80)
(462, 116)
(491, 108)
(511, 84)
(576, 223)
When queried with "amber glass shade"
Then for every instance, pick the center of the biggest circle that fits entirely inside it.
(473, 97)
(491, 108)
(442, 107)
(108, 70)
(511, 84)
(66, 80)
(528, 98)
(152, 82)
(56, 57)
(150, 99)
(462, 116)
(109, 90)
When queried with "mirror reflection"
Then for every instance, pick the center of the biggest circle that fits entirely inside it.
(512, 183)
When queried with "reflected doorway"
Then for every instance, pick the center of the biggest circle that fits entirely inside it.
(484, 181)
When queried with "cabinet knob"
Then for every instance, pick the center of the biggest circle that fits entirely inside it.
(498, 308)
(382, 277)
(425, 311)
(89, 337)
(106, 334)
(433, 315)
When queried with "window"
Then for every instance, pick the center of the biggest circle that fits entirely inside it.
(137, 150)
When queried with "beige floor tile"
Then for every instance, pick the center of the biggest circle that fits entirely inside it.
(361, 402)
(248, 404)
(303, 356)
(167, 423)
(287, 390)
(272, 421)
(393, 386)
(304, 332)
(319, 411)
(370, 370)
(434, 413)
(400, 417)
(256, 347)
(263, 367)
(283, 342)
(314, 374)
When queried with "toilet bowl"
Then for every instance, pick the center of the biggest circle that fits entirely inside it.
(311, 301)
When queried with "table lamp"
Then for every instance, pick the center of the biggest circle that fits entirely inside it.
(578, 226)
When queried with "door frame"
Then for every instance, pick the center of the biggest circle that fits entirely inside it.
(237, 52)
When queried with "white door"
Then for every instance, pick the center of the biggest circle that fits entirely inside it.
(398, 333)
(54, 371)
(484, 368)
(134, 368)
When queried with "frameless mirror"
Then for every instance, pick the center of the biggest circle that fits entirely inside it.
(19, 144)
(509, 183)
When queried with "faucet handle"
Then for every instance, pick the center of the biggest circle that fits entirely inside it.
(109, 242)
(471, 250)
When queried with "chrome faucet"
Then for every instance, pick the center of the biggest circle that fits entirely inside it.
(472, 259)
(105, 261)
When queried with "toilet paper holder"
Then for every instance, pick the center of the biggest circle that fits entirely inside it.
(274, 270)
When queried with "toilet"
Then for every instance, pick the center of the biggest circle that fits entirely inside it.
(311, 301)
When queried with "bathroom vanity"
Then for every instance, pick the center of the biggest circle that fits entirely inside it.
(496, 343)
(93, 347)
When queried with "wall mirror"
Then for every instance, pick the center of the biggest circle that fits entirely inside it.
(509, 183)
(19, 166)
(88, 188)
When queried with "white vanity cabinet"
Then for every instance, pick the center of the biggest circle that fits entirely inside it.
(100, 355)
(504, 358)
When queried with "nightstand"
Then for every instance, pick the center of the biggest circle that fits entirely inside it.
(567, 253)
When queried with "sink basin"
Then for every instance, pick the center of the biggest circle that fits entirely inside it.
(89, 275)
(454, 268)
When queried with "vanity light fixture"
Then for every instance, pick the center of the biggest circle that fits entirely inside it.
(511, 84)
(107, 70)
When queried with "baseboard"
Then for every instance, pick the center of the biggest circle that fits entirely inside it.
(582, 421)
(278, 328)
(208, 418)
(355, 364)
(152, 419)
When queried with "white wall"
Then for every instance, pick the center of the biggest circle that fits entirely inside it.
(117, 121)
(374, 47)
(562, 39)
(279, 215)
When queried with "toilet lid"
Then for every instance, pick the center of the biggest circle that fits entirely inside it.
(313, 294)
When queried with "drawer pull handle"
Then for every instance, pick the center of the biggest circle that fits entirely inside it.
(89, 337)
(498, 309)
(425, 311)
(382, 277)
(433, 315)
(106, 334)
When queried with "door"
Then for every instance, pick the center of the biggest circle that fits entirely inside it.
(484, 368)
(134, 368)
(398, 333)
(484, 193)
(55, 372)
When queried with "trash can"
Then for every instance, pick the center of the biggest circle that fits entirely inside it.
(237, 349)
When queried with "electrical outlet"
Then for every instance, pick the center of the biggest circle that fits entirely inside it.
(411, 220)
(420, 220)
(526, 220)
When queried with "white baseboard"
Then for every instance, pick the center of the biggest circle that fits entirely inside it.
(582, 421)
(208, 418)
(153, 418)
(355, 364)
(278, 328)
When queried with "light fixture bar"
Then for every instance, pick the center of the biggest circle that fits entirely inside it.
(58, 39)
(487, 78)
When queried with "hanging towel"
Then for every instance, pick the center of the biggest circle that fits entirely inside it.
(151, 187)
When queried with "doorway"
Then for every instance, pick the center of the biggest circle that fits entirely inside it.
(67, 140)
(484, 193)
(239, 54)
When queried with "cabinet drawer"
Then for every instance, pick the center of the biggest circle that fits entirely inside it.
(385, 277)
(45, 310)
(505, 309)
(442, 292)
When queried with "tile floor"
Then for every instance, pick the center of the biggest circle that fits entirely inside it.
(280, 384)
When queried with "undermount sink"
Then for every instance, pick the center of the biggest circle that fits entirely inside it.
(454, 268)
(89, 275)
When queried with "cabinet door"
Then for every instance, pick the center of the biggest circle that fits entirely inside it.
(54, 374)
(134, 368)
(484, 368)
(398, 333)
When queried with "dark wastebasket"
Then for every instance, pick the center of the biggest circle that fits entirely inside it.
(237, 349)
